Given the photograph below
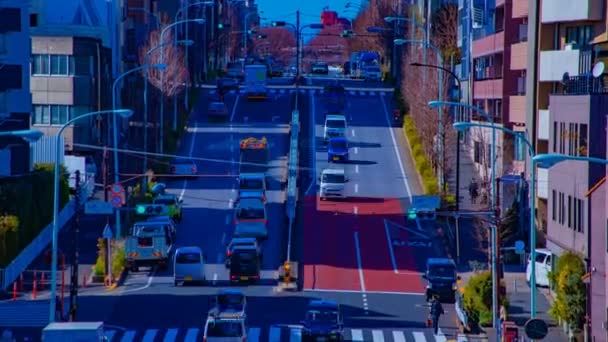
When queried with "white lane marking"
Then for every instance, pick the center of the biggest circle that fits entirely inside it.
(191, 335)
(390, 247)
(419, 336)
(356, 150)
(215, 276)
(275, 334)
(356, 168)
(356, 187)
(148, 284)
(129, 336)
(230, 203)
(398, 336)
(440, 337)
(352, 132)
(227, 219)
(253, 334)
(396, 148)
(236, 103)
(150, 335)
(181, 194)
(359, 263)
(356, 335)
(377, 335)
(313, 145)
(170, 335)
(295, 335)
(365, 307)
(356, 210)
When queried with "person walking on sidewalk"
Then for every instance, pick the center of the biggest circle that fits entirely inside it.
(473, 190)
(436, 312)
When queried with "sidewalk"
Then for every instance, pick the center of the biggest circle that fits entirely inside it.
(467, 172)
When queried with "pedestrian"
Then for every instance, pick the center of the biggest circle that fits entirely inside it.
(473, 190)
(436, 311)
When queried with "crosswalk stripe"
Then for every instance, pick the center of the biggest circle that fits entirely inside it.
(191, 335)
(440, 337)
(418, 336)
(356, 335)
(295, 335)
(253, 335)
(361, 92)
(377, 336)
(275, 334)
(398, 336)
(110, 334)
(129, 336)
(372, 93)
(150, 335)
(171, 335)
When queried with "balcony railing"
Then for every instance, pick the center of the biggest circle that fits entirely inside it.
(585, 85)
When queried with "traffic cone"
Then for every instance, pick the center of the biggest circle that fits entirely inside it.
(14, 291)
(34, 292)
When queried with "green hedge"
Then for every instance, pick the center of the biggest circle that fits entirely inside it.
(429, 180)
(119, 259)
(29, 198)
(567, 280)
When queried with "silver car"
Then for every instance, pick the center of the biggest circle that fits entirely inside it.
(189, 265)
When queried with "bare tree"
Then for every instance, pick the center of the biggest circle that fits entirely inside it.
(328, 45)
(445, 31)
(234, 34)
(280, 43)
(176, 74)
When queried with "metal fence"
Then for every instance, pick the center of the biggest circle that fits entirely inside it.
(13, 271)
(44, 150)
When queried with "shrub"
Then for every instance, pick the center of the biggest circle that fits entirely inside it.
(119, 259)
(478, 298)
(423, 165)
(569, 304)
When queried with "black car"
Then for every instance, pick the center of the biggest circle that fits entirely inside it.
(323, 321)
(244, 264)
(320, 68)
(441, 279)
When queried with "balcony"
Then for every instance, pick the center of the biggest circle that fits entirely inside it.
(517, 109)
(520, 9)
(543, 124)
(488, 89)
(489, 45)
(519, 56)
(553, 11)
(555, 63)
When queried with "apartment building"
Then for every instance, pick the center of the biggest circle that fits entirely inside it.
(70, 71)
(567, 114)
(15, 96)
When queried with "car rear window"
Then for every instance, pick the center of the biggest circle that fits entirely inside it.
(236, 65)
(144, 242)
(225, 329)
(231, 299)
(188, 258)
(338, 145)
(336, 123)
(251, 184)
(250, 213)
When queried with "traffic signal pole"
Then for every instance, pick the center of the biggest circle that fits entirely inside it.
(75, 255)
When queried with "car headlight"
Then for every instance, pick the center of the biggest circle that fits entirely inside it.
(429, 286)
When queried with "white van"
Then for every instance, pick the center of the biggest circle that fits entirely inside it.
(335, 126)
(189, 265)
(544, 261)
(332, 184)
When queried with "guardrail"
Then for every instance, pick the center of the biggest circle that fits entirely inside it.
(33, 250)
(292, 175)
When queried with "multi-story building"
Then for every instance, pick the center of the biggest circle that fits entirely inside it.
(15, 96)
(567, 106)
(70, 70)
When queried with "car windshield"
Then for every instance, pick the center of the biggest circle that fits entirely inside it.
(231, 299)
(225, 329)
(336, 123)
(165, 201)
(251, 184)
(325, 316)
(250, 213)
(338, 145)
(333, 179)
(188, 258)
(243, 257)
(234, 66)
(442, 271)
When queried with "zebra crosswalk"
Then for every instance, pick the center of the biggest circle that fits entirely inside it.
(275, 91)
(281, 334)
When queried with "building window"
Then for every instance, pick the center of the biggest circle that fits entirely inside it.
(580, 221)
(33, 20)
(488, 154)
(55, 65)
(579, 35)
(51, 114)
(582, 140)
(555, 135)
(570, 211)
(40, 64)
(477, 152)
(553, 205)
(59, 65)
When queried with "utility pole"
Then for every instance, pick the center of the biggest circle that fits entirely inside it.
(105, 170)
(75, 237)
(298, 44)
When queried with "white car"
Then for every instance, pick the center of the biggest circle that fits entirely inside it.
(333, 183)
(188, 266)
(372, 73)
(225, 328)
(335, 126)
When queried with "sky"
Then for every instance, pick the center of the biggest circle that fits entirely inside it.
(310, 10)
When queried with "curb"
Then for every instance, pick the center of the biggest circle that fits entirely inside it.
(409, 148)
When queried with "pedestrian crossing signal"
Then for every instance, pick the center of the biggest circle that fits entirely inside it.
(411, 214)
(421, 214)
(151, 209)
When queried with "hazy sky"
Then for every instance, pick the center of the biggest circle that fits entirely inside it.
(310, 10)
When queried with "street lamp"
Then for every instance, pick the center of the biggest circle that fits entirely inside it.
(146, 75)
(439, 110)
(438, 104)
(115, 128)
(412, 22)
(162, 60)
(125, 113)
(29, 135)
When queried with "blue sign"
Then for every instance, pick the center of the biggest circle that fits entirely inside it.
(107, 232)
(519, 247)
(116, 201)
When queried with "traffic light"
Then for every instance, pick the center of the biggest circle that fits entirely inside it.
(278, 23)
(346, 34)
(151, 209)
(220, 26)
(411, 214)
(262, 36)
(252, 31)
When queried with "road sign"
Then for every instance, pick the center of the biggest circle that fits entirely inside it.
(536, 329)
(117, 198)
(117, 189)
(107, 232)
(420, 243)
(98, 208)
(519, 247)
